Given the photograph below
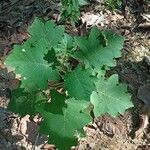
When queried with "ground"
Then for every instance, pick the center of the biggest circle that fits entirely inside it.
(129, 131)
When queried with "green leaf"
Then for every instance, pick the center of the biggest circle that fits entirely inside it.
(64, 52)
(80, 83)
(63, 127)
(47, 32)
(70, 10)
(83, 2)
(113, 4)
(28, 61)
(99, 49)
(25, 103)
(51, 58)
(110, 97)
(61, 54)
(57, 103)
(65, 49)
(65, 45)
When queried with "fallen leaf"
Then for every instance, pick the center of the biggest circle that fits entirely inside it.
(111, 126)
(144, 94)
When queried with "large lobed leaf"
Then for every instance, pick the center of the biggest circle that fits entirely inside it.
(58, 102)
(63, 125)
(25, 103)
(47, 32)
(27, 59)
(80, 83)
(110, 97)
(99, 49)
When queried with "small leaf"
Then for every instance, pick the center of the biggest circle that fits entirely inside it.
(110, 97)
(63, 127)
(64, 51)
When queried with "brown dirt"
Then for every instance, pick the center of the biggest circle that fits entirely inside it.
(106, 133)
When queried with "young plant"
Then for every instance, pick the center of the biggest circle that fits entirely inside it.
(113, 4)
(70, 10)
(70, 68)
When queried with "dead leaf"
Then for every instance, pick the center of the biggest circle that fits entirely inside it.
(28, 129)
(92, 19)
(144, 94)
(111, 126)
(143, 125)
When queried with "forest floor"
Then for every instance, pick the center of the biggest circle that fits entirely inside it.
(129, 131)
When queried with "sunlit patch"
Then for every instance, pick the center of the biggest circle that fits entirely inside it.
(23, 50)
(24, 78)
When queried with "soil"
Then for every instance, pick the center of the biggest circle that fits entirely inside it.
(129, 131)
